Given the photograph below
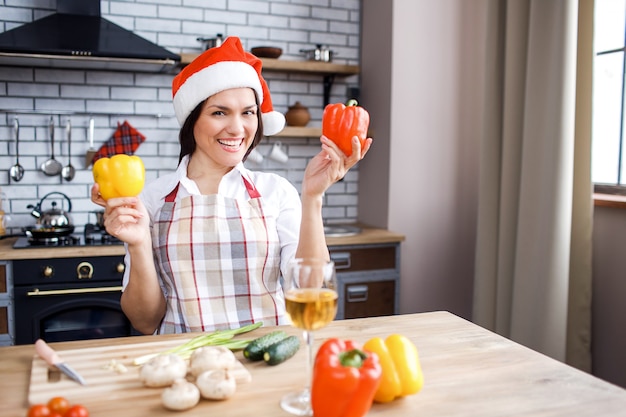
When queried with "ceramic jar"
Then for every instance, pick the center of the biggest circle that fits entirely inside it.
(297, 115)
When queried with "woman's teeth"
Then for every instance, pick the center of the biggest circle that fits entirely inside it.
(230, 143)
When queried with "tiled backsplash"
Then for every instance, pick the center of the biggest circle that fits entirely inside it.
(33, 95)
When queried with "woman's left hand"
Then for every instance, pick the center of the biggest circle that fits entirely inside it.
(331, 165)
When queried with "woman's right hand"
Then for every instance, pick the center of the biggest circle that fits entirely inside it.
(125, 218)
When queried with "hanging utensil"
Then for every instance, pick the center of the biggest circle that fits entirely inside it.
(68, 171)
(51, 167)
(17, 171)
(91, 152)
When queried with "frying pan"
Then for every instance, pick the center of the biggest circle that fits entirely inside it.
(51, 167)
(42, 232)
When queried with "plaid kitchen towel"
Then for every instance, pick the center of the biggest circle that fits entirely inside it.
(126, 139)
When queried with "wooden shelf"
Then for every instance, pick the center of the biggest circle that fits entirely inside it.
(316, 132)
(328, 70)
(300, 132)
(311, 67)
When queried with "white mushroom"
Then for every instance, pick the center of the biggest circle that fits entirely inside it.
(182, 395)
(162, 370)
(210, 358)
(216, 385)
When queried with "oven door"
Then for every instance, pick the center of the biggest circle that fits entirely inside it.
(74, 312)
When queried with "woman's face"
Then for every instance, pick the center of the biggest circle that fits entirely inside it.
(226, 126)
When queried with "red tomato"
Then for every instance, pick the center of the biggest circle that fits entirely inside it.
(76, 411)
(38, 410)
(59, 405)
(55, 414)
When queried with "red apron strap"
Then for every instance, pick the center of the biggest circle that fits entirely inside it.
(171, 197)
(252, 191)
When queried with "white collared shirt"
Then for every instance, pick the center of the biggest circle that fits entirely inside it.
(280, 200)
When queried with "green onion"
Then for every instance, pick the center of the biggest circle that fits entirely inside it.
(216, 338)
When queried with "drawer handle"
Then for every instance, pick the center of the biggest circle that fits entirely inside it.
(357, 293)
(342, 260)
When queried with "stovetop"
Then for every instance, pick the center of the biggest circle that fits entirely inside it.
(92, 236)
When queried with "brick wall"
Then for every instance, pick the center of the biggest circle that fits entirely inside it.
(33, 95)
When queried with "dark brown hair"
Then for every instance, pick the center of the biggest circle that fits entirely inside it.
(188, 141)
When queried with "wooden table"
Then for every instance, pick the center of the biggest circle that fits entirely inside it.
(468, 370)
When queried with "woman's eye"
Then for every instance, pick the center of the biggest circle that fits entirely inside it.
(218, 113)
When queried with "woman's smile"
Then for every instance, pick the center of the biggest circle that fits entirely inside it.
(231, 145)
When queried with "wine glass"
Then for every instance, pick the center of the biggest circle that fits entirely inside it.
(310, 286)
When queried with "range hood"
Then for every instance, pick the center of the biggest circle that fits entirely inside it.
(76, 36)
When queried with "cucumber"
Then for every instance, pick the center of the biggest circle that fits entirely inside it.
(255, 349)
(281, 351)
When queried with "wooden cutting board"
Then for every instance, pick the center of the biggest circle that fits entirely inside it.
(103, 380)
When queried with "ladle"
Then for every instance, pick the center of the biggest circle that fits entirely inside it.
(51, 167)
(68, 171)
(17, 171)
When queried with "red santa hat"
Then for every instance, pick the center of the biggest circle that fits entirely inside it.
(218, 69)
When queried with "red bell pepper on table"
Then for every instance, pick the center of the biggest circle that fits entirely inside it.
(345, 379)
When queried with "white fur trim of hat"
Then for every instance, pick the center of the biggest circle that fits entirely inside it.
(218, 69)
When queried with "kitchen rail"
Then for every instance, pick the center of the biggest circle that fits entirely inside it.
(83, 113)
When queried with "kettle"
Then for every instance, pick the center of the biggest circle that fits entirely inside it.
(54, 217)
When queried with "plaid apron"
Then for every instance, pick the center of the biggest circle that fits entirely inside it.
(219, 259)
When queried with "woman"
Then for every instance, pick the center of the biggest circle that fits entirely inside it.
(206, 244)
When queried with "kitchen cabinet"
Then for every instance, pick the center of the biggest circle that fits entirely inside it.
(6, 310)
(328, 70)
(368, 279)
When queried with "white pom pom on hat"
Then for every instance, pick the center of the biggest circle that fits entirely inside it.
(218, 69)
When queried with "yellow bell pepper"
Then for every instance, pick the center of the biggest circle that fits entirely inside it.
(119, 176)
(402, 371)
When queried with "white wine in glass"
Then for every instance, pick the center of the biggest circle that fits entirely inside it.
(310, 287)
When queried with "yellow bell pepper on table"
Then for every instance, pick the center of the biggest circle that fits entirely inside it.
(119, 176)
(402, 371)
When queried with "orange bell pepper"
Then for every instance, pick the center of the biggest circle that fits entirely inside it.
(119, 176)
(341, 123)
(345, 379)
(402, 371)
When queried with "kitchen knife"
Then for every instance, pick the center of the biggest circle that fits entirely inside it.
(50, 356)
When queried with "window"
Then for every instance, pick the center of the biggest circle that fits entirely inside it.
(608, 141)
